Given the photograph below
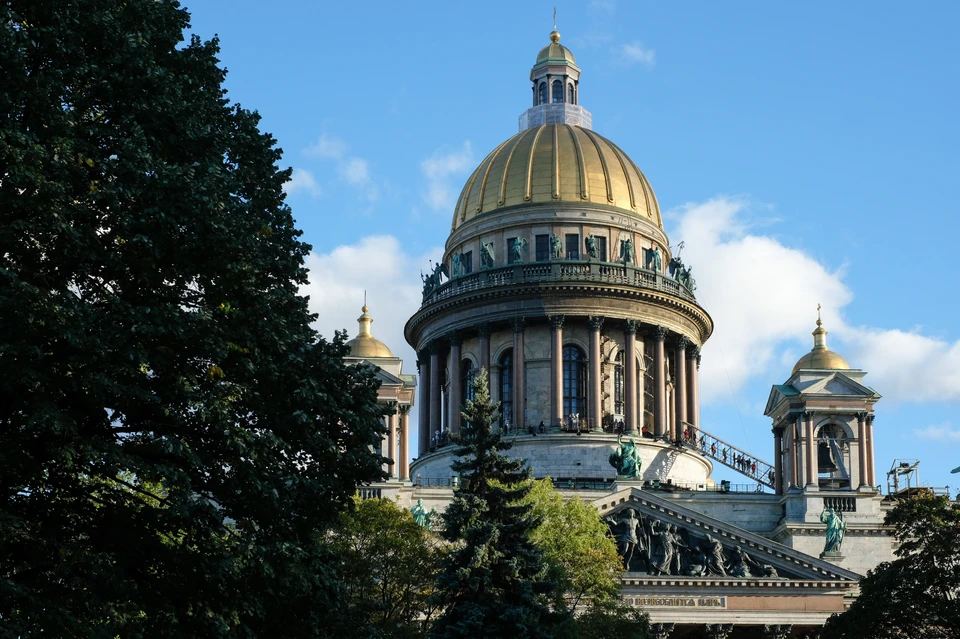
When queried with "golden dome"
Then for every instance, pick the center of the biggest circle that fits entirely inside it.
(555, 52)
(364, 344)
(557, 163)
(821, 357)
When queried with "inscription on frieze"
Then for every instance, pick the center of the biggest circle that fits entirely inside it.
(676, 602)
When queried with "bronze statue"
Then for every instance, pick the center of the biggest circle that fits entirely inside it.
(835, 529)
(556, 247)
(626, 251)
(626, 459)
(593, 247)
(665, 549)
(518, 245)
(627, 538)
(715, 561)
(456, 265)
(420, 515)
(654, 261)
(487, 255)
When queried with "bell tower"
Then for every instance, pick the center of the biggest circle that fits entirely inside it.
(823, 442)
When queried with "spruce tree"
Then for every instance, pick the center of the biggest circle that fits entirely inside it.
(173, 433)
(495, 582)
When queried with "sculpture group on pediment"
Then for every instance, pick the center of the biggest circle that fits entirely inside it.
(653, 546)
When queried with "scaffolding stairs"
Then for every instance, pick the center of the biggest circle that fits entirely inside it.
(729, 455)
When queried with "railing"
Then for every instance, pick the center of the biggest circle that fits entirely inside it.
(567, 483)
(559, 271)
(728, 455)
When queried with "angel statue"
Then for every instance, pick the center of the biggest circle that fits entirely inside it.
(517, 250)
(487, 255)
(593, 247)
(556, 247)
(627, 251)
(626, 459)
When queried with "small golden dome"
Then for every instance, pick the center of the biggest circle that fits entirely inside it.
(555, 52)
(557, 163)
(365, 344)
(821, 357)
(554, 36)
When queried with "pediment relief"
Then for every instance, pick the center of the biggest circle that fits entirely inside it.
(659, 538)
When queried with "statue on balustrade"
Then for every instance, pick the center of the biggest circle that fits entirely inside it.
(593, 247)
(487, 255)
(517, 249)
(682, 274)
(835, 529)
(457, 272)
(626, 458)
(556, 247)
(627, 251)
(653, 260)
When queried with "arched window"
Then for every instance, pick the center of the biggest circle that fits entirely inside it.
(469, 372)
(570, 94)
(618, 385)
(833, 456)
(506, 388)
(574, 382)
(557, 91)
(543, 93)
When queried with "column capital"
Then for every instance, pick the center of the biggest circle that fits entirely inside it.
(483, 330)
(862, 416)
(596, 322)
(776, 631)
(556, 322)
(436, 347)
(682, 342)
(661, 630)
(405, 409)
(390, 408)
(518, 323)
(870, 419)
(718, 630)
(631, 327)
(660, 333)
(455, 338)
(693, 352)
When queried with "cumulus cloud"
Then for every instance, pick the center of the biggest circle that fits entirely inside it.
(636, 53)
(439, 168)
(327, 146)
(354, 171)
(378, 265)
(943, 434)
(302, 180)
(762, 296)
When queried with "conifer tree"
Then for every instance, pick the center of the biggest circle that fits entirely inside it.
(173, 433)
(494, 584)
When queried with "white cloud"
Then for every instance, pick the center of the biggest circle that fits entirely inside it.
(762, 296)
(943, 434)
(439, 168)
(355, 171)
(636, 53)
(302, 180)
(327, 146)
(378, 265)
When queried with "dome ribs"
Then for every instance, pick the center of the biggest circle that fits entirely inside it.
(584, 186)
(533, 149)
(603, 163)
(506, 166)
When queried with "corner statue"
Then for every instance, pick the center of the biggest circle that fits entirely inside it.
(626, 459)
(420, 515)
(835, 529)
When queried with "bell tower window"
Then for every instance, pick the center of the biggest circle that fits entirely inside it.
(543, 93)
(557, 91)
(570, 94)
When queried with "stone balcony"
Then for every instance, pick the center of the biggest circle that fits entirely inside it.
(573, 271)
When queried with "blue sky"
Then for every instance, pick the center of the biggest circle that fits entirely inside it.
(804, 152)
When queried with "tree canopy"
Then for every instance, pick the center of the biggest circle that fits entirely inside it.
(173, 433)
(918, 594)
(495, 583)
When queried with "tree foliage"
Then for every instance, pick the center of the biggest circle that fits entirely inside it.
(918, 594)
(389, 564)
(173, 433)
(576, 544)
(494, 583)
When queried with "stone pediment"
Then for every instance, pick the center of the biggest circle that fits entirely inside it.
(388, 379)
(674, 541)
(840, 385)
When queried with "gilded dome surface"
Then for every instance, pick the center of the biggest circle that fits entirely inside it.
(821, 357)
(555, 52)
(557, 163)
(365, 344)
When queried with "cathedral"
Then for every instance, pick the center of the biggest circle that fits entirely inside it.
(558, 278)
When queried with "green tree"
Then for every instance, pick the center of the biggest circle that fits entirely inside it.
(494, 583)
(389, 564)
(581, 555)
(173, 433)
(918, 594)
